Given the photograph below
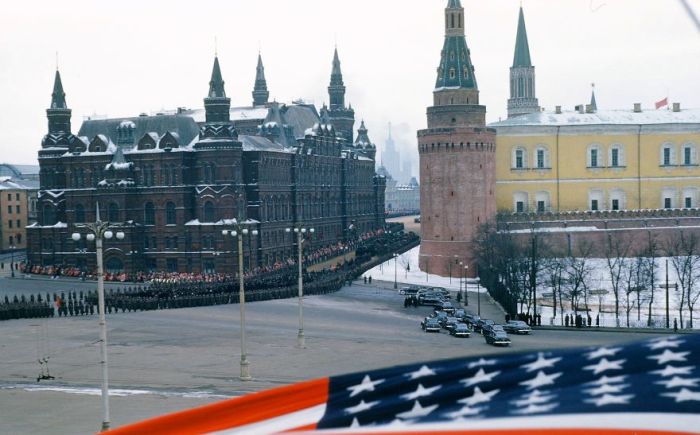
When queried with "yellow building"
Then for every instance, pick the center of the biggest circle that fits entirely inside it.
(598, 160)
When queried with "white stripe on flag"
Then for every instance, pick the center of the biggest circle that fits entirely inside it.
(688, 423)
(282, 423)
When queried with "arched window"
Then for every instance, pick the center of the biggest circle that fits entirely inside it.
(668, 155)
(668, 198)
(542, 157)
(542, 201)
(519, 158)
(595, 199)
(690, 197)
(617, 199)
(594, 160)
(149, 214)
(520, 202)
(49, 215)
(79, 213)
(452, 73)
(209, 212)
(616, 156)
(114, 265)
(690, 155)
(113, 213)
(170, 214)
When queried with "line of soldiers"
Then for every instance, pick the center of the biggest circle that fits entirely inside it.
(21, 308)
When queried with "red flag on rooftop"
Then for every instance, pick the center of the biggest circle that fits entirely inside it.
(662, 103)
(646, 388)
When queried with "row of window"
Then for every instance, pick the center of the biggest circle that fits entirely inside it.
(10, 223)
(16, 208)
(616, 200)
(596, 156)
(9, 197)
(12, 239)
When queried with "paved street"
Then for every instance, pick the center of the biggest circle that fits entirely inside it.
(187, 357)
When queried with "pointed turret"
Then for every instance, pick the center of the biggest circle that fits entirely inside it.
(59, 136)
(522, 47)
(594, 103)
(216, 104)
(364, 143)
(342, 117)
(523, 99)
(260, 93)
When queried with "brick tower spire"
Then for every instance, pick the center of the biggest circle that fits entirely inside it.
(523, 99)
(59, 137)
(260, 92)
(217, 131)
(457, 158)
(342, 117)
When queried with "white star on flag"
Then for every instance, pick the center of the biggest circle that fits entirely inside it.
(606, 389)
(608, 399)
(679, 382)
(478, 397)
(421, 373)
(684, 395)
(535, 409)
(467, 411)
(420, 392)
(367, 384)
(540, 363)
(663, 343)
(362, 406)
(482, 362)
(672, 371)
(480, 377)
(608, 380)
(541, 380)
(355, 423)
(670, 356)
(534, 398)
(417, 411)
(603, 351)
(605, 365)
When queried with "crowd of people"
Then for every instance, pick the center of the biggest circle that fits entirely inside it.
(161, 290)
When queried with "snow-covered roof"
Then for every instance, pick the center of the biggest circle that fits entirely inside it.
(603, 117)
(7, 183)
(237, 114)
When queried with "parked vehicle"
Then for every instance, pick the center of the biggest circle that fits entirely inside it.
(479, 325)
(431, 325)
(491, 327)
(460, 330)
(431, 299)
(450, 322)
(471, 320)
(517, 327)
(497, 338)
(447, 307)
(409, 291)
(460, 313)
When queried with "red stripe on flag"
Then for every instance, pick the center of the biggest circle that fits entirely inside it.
(566, 431)
(232, 413)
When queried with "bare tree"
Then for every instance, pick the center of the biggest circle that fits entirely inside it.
(683, 250)
(578, 273)
(405, 262)
(651, 253)
(616, 250)
(556, 266)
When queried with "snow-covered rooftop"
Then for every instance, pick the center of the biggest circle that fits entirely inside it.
(603, 117)
(237, 114)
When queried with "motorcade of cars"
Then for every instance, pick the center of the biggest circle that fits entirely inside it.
(460, 330)
(497, 338)
(517, 327)
(479, 325)
(450, 323)
(431, 325)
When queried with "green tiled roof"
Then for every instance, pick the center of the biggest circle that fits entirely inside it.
(456, 58)
(522, 47)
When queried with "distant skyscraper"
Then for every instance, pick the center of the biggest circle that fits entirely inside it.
(391, 159)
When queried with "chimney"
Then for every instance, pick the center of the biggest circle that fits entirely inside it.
(637, 107)
(589, 108)
(581, 108)
(676, 107)
(557, 110)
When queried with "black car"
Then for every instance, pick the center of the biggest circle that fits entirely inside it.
(431, 325)
(447, 307)
(517, 327)
(471, 320)
(460, 330)
(497, 338)
(450, 323)
(460, 313)
(430, 299)
(479, 325)
(491, 327)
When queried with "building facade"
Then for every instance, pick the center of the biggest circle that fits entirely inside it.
(14, 214)
(400, 198)
(457, 158)
(172, 182)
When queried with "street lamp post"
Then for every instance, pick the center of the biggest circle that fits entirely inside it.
(478, 297)
(466, 289)
(97, 232)
(395, 278)
(241, 229)
(300, 232)
(12, 261)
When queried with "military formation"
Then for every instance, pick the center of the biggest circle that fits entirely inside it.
(172, 294)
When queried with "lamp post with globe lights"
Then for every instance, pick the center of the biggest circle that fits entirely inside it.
(97, 232)
(300, 231)
(242, 229)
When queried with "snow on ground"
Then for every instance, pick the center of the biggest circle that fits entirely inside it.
(407, 270)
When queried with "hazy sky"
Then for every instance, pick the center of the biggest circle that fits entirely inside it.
(121, 58)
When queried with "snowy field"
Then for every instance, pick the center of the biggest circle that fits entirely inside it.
(601, 302)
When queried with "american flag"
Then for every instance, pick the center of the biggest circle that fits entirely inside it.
(650, 387)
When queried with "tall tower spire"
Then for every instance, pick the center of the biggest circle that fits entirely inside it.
(260, 92)
(216, 104)
(59, 136)
(342, 117)
(523, 98)
(457, 158)
(594, 103)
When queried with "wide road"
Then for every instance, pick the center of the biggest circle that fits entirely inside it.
(174, 359)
